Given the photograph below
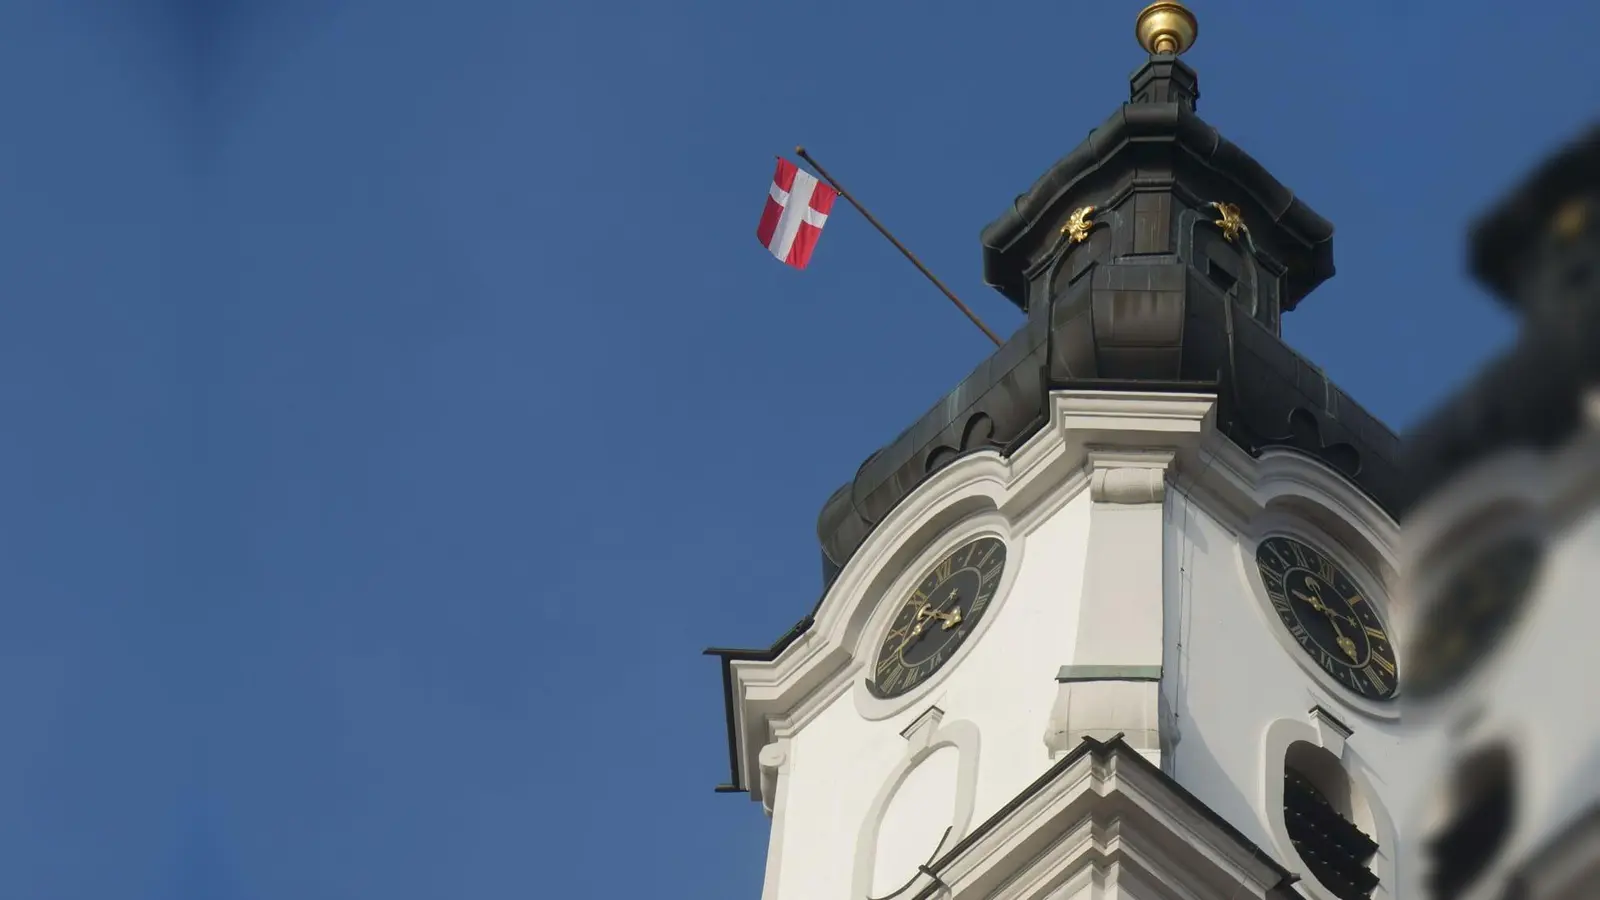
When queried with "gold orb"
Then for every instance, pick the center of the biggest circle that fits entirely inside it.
(1166, 26)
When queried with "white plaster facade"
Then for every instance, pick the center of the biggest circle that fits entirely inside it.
(1241, 692)
(1131, 527)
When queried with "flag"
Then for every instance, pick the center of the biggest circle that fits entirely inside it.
(797, 208)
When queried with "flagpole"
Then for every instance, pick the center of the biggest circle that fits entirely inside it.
(801, 152)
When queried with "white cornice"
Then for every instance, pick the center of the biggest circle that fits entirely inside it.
(1036, 480)
(774, 698)
(1247, 486)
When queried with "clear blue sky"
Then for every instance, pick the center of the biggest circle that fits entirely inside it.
(396, 399)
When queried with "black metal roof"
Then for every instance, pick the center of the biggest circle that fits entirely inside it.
(1156, 298)
(1004, 269)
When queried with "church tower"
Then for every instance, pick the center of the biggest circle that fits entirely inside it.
(1112, 618)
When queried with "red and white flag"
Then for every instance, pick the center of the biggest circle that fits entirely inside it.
(797, 208)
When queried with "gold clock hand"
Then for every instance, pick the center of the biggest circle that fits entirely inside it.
(1345, 644)
(925, 612)
(1349, 647)
(953, 617)
(1317, 604)
(906, 641)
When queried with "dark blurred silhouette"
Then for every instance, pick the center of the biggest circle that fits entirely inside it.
(1502, 541)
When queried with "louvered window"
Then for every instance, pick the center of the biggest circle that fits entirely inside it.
(1336, 852)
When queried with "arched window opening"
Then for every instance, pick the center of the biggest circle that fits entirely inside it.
(1481, 803)
(1324, 816)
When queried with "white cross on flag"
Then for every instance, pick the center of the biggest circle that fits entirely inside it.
(797, 208)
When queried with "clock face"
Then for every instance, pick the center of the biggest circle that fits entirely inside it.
(1328, 616)
(1477, 607)
(938, 616)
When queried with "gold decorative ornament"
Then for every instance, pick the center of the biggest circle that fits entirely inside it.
(1232, 221)
(1078, 225)
(1166, 26)
(1571, 218)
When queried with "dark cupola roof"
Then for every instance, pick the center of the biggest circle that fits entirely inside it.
(1539, 251)
(1154, 256)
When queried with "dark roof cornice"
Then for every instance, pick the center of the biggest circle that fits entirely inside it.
(1506, 243)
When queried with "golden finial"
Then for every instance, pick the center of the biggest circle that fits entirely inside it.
(1166, 26)
(1078, 225)
(1571, 218)
(1232, 221)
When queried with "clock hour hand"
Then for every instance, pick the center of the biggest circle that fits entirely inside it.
(1317, 604)
(1345, 644)
(952, 618)
(913, 634)
(926, 612)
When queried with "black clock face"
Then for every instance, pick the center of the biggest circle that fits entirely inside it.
(1329, 617)
(938, 616)
(1477, 607)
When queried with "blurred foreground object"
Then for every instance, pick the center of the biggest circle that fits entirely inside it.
(1501, 543)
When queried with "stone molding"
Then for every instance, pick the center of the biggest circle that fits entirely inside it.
(1128, 477)
(928, 733)
(1108, 673)
(1101, 816)
(774, 763)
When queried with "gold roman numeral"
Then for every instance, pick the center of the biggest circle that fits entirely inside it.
(1301, 635)
(945, 570)
(1376, 679)
(1325, 569)
(1278, 555)
(1384, 664)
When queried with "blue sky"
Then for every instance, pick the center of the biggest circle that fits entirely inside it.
(397, 399)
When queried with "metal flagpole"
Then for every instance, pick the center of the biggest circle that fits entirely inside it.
(801, 152)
